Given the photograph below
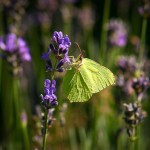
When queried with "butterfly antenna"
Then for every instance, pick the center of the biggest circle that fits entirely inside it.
(78, 47)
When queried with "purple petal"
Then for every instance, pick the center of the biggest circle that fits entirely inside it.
(2, 45)
(11, 42)
(46, 55)
(47, 83)
(54, 83)
(26, 57)
(21, 42)
(42, 97)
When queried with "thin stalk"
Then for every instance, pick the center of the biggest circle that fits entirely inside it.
(45, 123)
(0, 72)
(1, 31)
(142, 40)
(45, 127)
(25, 138)
(103, 38)
(16, 101)
(62, 135)
(17, 109)
(141, 51)
(132, 145)
(138, 135)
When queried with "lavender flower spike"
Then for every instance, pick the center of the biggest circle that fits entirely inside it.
(50, 99)
(144, 10)
(15, 45)
(59, 48)
(57, 36)
(15, 51)
(117, 33)
(140, 85)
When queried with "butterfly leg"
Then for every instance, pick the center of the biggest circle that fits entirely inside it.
(72, 58)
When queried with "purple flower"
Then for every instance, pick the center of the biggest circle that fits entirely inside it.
(46, 55)
(48, 61)
(63, 43)
(127, 64)
(47, 83)
(2, 45)
(11, 44)
(15, 45)
(62, 61)
(60, 49)
(140, 85)
(24, 118)
(55, 51)
(117, 33)
(26, 57)
(50, 117)
(57, 36)
(144, 10)
(133, 114)
(50, 99)
(15, 51)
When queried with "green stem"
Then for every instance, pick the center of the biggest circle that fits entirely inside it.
(142, 42)
(18, 107)
(26, 138)
(0, 72)
(141, 51)
(132, 145)
(45, 127)
(45, 123)
(62, 135)
(16, 101)
(138, 135)
(103, 38)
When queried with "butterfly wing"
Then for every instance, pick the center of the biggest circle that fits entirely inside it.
(74, 86)
(80, 83)
(100, 76)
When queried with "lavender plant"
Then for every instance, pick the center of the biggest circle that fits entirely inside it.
(136, 81)
(132, 84)
(15, 51)
(117, 33)
(59, 50)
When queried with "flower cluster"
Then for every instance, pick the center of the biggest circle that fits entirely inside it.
(127, 64)
(50, 99)
(37, 119)
(50, 119)
(15, 51)
(140, 85)
(133, 115)
(126, 69)
(117, 32)
(132, 80)
(60, 49)
(144, 10)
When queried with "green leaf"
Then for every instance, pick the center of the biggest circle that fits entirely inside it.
(90, 77)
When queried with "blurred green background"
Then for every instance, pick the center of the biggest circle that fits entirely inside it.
(93, 125)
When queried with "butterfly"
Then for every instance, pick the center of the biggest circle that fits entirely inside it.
(86, 78)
